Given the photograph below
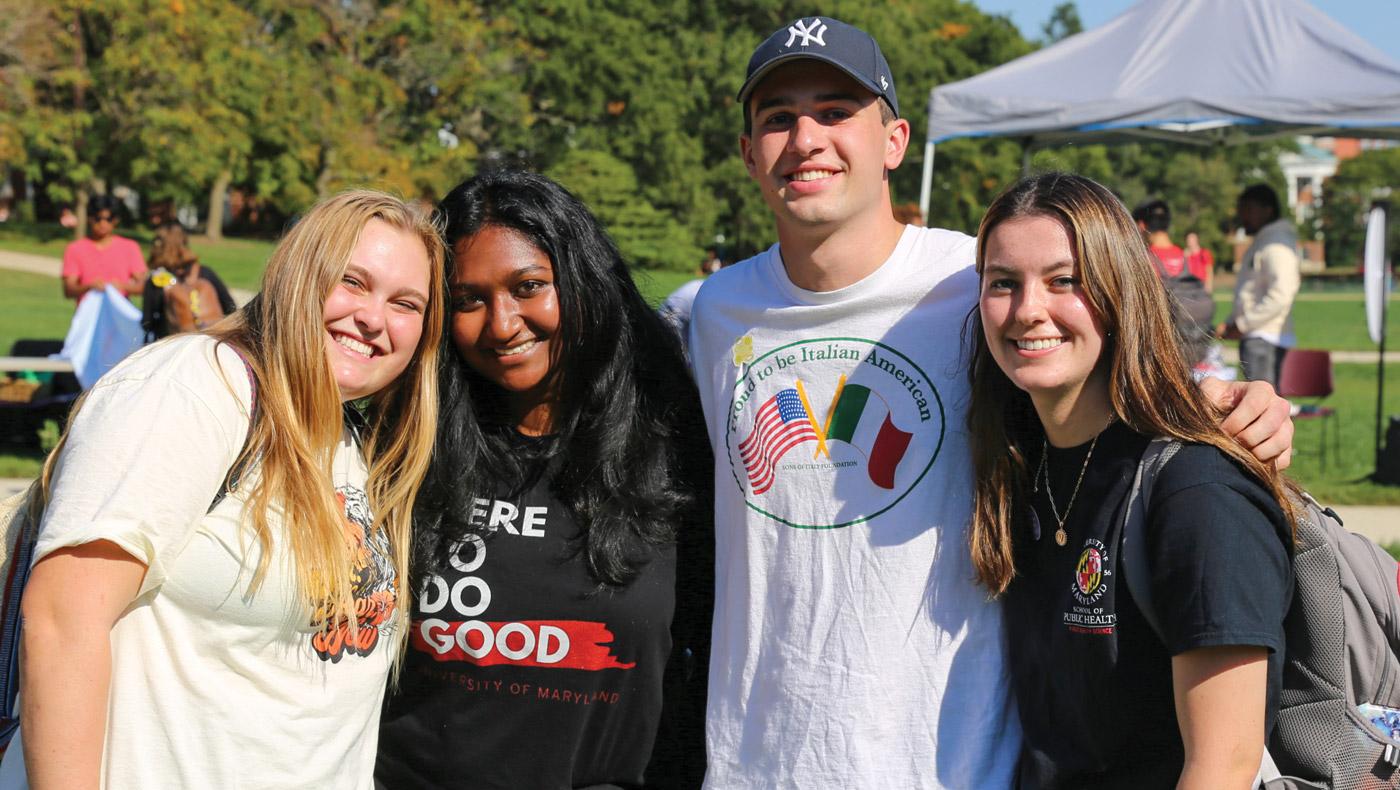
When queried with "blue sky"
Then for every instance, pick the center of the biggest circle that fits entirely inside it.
(1377, 21)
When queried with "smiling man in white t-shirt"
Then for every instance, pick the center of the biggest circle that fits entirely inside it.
(851, 647)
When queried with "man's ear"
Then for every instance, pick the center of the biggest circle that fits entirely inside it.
(746, 153)
(896, 142)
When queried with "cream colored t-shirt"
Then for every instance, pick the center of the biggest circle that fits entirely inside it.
(213, 687)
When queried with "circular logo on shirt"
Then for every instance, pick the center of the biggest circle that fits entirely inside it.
(830, 432)
(1089, 572)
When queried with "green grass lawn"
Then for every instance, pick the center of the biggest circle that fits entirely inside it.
(1332, 321)
(657, 284)
(239, 262)
(1342, 480)
(32, 306)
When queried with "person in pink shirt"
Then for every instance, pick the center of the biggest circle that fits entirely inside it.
(103, 258)
(1199, 260)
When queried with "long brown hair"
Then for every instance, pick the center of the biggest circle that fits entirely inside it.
(1150, 385)
(299, 419)
(170, 249)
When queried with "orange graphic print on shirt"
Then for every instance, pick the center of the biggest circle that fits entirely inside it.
(373, 590)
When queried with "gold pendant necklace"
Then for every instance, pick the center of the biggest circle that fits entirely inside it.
(1061, 537)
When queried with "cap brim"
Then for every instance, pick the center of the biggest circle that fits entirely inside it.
(752, 82)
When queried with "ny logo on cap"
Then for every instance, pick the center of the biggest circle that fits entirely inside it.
(813, 31)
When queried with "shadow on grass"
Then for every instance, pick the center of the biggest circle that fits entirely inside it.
(35, 231)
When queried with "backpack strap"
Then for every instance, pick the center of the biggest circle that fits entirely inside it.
(20, 532)
(1133, 559)
(1134, 545)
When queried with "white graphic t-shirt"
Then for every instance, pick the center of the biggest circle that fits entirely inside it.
(851, 645)
(212, 686)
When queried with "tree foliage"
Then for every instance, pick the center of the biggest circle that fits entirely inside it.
(630, 103)
(1358, 183)
(1063, 22)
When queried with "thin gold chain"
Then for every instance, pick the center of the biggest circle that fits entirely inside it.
(1061, 538)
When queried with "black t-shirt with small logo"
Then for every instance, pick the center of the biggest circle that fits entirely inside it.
(521, 672)
(1093, 682)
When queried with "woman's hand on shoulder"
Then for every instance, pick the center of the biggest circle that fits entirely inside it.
(1259, 419)
(1220, 699)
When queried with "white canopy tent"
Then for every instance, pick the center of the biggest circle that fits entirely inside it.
(1203, 72)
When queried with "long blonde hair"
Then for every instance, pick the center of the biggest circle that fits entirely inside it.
(1150, 385)
(299, 419)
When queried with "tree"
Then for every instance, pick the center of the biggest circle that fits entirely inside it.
(1063, 22)
(44, 104)
(657, 91)
(646, 236)
(181, 91)
(1347, 198)
(400, 95)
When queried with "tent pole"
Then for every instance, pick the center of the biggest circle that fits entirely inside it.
(1380, 357)
(926, 188)
(1026, 156)
(1380, 371)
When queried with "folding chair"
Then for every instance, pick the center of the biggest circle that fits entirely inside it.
(1308, 374)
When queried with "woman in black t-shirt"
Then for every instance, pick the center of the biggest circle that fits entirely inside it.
(563, 564)
(1076, 366)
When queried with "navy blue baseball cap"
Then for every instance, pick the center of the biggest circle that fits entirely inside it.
(849, 49)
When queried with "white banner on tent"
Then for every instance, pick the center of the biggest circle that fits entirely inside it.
(1375, 273)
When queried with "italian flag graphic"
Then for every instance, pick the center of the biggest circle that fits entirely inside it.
(861, 419)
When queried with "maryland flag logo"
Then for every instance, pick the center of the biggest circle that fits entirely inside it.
(1089, 572)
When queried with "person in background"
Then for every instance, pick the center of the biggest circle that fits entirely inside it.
(1199, 260)
(1269, 277)
(1075, 369)
(181, 295)
(909, 214)
(676, 309)
(1193, 309)
(564, 560)
(103, 258)
(220, 575)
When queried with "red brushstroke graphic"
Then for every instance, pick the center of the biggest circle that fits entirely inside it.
(551, 644)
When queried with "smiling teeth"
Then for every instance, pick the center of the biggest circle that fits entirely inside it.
(1038, 345)
(812, 175)
(520, 349)
(355, 345)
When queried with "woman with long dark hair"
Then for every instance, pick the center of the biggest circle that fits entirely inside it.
(563, 552)
(1076, 367)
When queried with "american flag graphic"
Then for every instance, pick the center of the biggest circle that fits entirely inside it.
(780, 425)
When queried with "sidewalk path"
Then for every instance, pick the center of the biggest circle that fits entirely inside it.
(1231, 354)
(53, 267)
(1379, 523)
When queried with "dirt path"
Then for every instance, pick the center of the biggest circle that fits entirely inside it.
(53, 267)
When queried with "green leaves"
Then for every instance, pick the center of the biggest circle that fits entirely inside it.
(1359, 182)
(629, 102)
